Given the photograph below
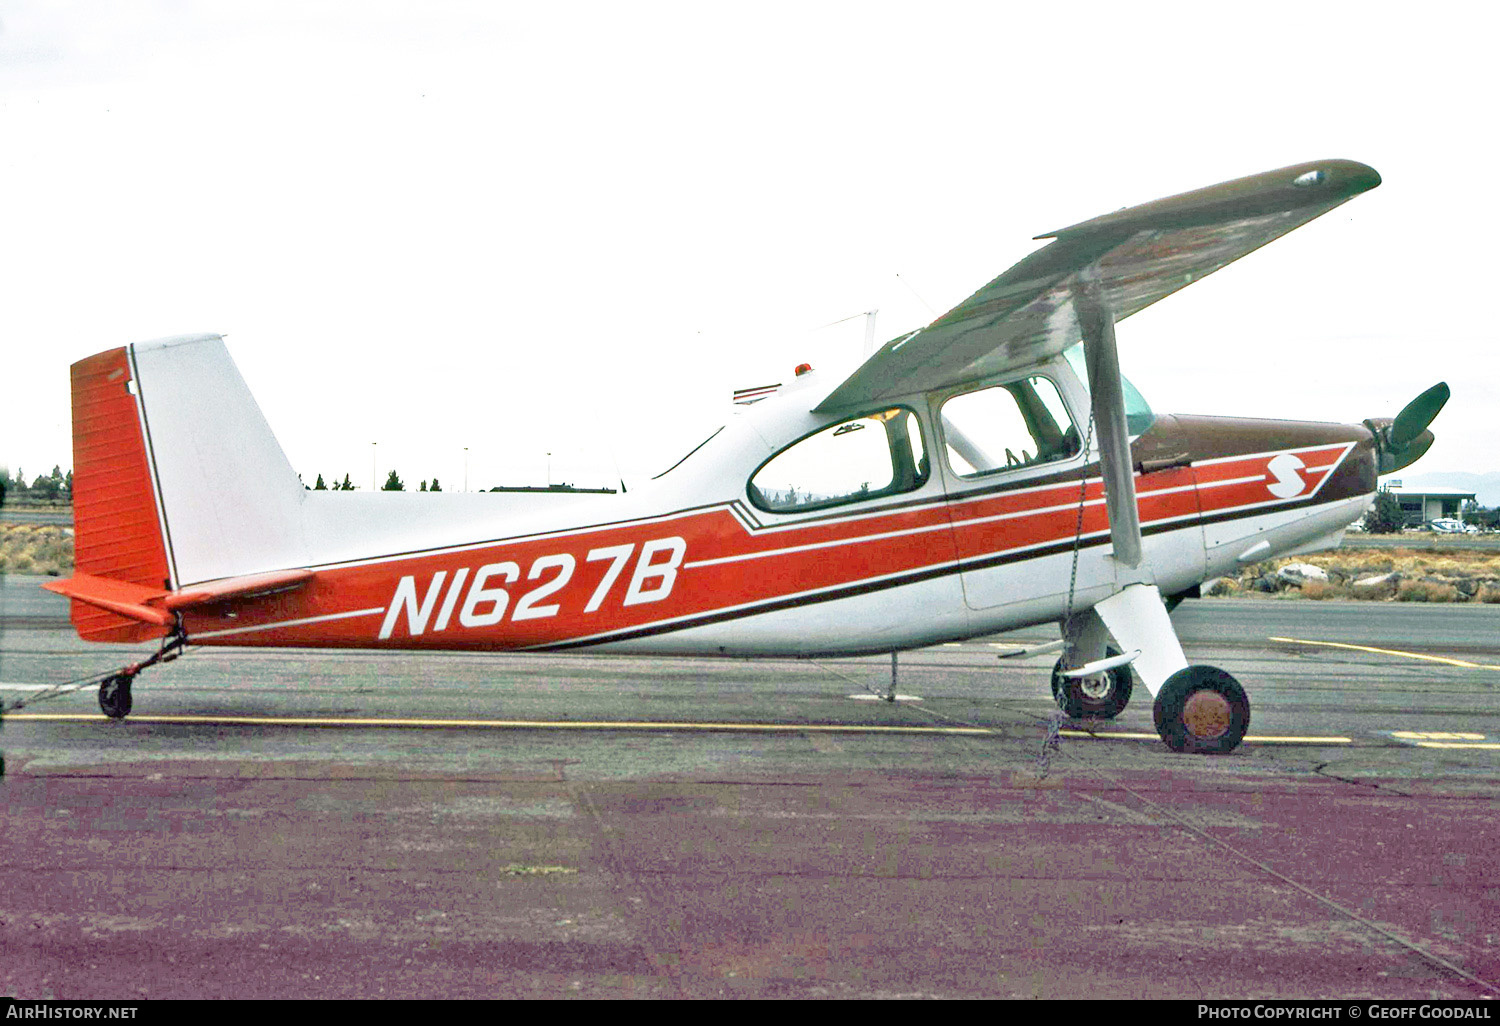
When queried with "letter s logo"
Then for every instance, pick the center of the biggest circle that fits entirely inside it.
(1288, 482)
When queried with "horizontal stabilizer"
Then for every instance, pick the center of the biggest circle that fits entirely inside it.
(118, 597)
(156, 607)
(250, 586)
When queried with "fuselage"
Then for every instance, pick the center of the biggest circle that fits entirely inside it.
(750, 546)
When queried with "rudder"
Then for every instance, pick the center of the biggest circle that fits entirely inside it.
(117, 526)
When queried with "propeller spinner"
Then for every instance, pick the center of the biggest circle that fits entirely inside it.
(1402, 441)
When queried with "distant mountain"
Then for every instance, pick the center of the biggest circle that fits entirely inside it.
(1486, 487)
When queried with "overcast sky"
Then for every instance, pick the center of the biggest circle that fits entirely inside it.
(575, 227)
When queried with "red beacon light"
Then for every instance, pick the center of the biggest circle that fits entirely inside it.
(803, 368)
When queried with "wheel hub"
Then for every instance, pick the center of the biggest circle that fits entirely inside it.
(1096, 686)
(1207, 714)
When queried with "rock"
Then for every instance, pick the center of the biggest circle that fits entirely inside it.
(1300, 573)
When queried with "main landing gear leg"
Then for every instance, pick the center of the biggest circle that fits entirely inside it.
(1198, 709)
(114, 690)
(1103, 693)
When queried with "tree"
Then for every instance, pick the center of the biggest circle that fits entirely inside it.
(1385, 516)
(48, 485)
(1479, 516)
(393, 484)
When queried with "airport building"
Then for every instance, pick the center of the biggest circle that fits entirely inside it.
(1423, 504)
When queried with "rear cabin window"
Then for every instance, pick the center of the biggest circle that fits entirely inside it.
(1008, 427)
(864, 458)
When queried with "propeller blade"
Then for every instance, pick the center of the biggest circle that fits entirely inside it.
(1416, 415)
(1415, 450)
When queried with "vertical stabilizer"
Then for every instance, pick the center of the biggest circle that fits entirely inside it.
(177, 478)
(232, 503)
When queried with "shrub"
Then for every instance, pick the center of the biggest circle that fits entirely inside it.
(35, 549)
(1426, 591)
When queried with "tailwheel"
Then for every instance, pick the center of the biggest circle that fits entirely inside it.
(1202, 710)
(114, 695)
(1101, 695)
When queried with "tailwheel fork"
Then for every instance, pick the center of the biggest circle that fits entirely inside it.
(114, 690)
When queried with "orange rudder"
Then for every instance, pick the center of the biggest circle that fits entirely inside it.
(118, 531)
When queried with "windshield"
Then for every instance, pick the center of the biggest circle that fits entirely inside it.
(1138, 415)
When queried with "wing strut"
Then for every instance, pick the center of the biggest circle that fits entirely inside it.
(1135, 615)
(1097, 324)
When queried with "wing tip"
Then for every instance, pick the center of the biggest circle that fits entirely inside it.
(1286, 188)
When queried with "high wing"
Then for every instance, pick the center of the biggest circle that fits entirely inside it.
(1142, 253)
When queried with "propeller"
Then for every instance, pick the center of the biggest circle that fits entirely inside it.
(1402, 441)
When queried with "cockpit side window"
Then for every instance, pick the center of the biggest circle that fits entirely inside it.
(865, 458)
(1007, 427)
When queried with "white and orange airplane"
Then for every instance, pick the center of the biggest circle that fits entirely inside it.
(989, 471)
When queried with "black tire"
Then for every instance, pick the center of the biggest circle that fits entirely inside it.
(1072, 695)
(1202, 711)
(114, 696)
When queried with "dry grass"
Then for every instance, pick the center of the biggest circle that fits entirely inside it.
(35, 549)
(1430, 575)
(1439, 562)
(1426, 591)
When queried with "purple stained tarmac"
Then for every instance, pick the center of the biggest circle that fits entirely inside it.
(218, 878)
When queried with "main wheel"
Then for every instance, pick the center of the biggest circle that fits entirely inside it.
(114, 696)
(1202, 710)
(1102, 695)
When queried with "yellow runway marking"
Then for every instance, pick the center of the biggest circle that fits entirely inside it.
(1435, 735)
(651, 725)
(1263, 739)
(1391, 651)
(304, 721)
